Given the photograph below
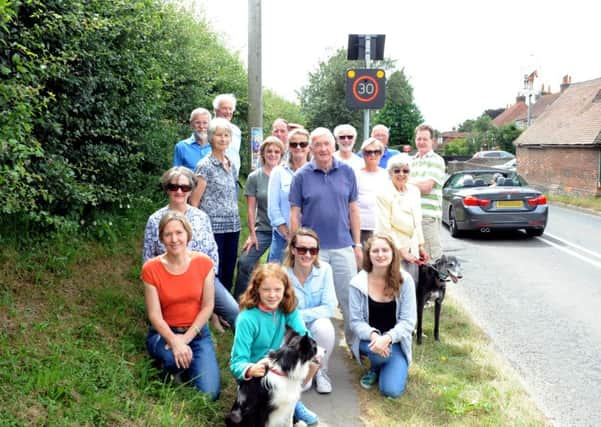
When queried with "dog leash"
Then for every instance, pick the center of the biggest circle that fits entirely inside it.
(441, 275)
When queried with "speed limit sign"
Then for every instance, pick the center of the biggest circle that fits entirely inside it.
(365, 88)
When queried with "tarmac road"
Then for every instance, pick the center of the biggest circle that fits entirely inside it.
(539, 300)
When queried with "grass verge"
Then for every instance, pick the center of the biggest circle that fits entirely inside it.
(457, 381)
(593, 203)
(72, 348)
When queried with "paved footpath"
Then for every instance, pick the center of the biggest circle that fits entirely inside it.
(341, 407)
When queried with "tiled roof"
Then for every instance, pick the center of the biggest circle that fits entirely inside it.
(572, 119)
(511, 114)
(538, 107)
(453, 134)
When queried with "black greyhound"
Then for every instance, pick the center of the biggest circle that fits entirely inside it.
(431, 285)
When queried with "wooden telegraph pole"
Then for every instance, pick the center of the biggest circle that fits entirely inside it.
(255, 95)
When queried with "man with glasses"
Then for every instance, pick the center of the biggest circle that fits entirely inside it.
(428, 173)
(323, 197)
(345, 138)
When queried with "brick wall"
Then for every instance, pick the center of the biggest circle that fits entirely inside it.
(561, 170)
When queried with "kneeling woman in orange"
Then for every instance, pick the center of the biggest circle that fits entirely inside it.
(267, 307)
(179, 293)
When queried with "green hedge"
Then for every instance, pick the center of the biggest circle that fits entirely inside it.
(93, 96)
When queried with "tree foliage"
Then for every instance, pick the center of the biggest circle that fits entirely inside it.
(275, 106)
(400, 114)
(323, 100)
(483, 135)
(93, 96)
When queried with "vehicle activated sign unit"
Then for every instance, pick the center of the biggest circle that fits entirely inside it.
(365, 88)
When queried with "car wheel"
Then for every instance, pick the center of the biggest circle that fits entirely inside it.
(453, 224)
(534, 232)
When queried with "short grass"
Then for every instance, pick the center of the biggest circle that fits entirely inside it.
(72, 348)
(593, 203)
(457, 381)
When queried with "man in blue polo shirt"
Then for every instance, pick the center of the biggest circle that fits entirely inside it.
(188, 152)
(323, 197)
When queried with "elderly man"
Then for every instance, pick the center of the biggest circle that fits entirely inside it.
(279, 129)
(188, 152)
(323, 197)
(345, 138)
(382, 134)
(224, 106)
(428, 173)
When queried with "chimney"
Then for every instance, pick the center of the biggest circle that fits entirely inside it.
(565, 82)
(520, 98)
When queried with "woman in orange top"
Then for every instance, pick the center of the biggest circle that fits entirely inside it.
(179, 293)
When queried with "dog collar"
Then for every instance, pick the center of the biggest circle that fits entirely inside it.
(278, 372)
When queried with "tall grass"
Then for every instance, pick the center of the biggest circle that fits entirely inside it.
(73, 328)
(72, 345)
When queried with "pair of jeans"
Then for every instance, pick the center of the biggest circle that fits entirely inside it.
(225, 304)
(344, 268)
(227, 247)
(248, 261)
(203, 372)
(392, 370)
(278, 246)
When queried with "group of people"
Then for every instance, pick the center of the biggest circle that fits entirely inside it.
(343, 229)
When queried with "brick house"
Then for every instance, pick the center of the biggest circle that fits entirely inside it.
(561, 151)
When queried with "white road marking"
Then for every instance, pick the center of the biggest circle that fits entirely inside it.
(574, 245)
(571, 252)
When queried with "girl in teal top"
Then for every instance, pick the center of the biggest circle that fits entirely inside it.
(266, 307)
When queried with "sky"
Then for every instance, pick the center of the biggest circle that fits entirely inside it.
(461, 56)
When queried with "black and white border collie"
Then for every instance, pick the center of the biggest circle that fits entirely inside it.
(269, 401)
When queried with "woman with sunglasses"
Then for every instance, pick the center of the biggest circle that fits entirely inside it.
(259, 228)
(382, 316)
(278, 206)
(371, 178)
(314, 288)
(399, 214)
(178, 182)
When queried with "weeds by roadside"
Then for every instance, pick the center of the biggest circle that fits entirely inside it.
(72, 348)
(457, 381)
(593, 203)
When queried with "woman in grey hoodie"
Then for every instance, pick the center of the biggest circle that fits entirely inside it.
(382, 316)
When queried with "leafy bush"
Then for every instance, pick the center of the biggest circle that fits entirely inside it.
(93, 96)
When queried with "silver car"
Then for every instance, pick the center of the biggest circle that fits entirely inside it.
(486, 200)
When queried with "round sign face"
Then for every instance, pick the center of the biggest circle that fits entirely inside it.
(366, 88)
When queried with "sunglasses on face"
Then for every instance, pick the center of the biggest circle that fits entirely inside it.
(174, 187)
(398, 171)
(298, 144)
(372, 152)
(301, 250)
(345, 136)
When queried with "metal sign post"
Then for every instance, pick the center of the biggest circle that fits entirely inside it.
(365, 88)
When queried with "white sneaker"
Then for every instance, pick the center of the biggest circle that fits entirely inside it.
(323, 384)
(307, 386)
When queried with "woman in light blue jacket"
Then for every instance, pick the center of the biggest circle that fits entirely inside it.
(313, 282)
(382, 316)
(278, 206)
